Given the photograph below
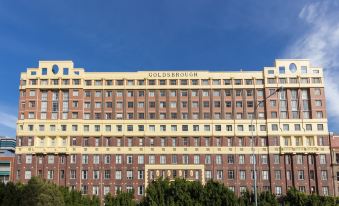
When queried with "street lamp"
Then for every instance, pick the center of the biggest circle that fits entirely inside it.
(253, 151)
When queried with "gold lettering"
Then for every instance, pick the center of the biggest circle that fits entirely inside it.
(172, 74)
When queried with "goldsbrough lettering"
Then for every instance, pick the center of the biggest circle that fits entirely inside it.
(173, 74)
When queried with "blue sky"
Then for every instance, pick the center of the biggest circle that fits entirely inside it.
(160, 34)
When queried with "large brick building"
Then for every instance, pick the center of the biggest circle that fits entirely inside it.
(103, 131)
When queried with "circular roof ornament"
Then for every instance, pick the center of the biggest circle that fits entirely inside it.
(293, 68)
(55, 69)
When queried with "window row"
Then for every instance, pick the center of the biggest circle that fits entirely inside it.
(171, 128)
(207, 159)
(164, 93)
(314, 80)
(218, 174)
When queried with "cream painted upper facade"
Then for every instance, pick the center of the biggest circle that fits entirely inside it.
(79, 73)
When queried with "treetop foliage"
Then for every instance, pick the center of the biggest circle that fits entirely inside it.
(161, 192)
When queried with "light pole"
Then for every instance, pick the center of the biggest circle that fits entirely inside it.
(253, 151)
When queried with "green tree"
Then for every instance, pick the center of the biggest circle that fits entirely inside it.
(295, 198)
(121, 199)
(10, 194)
(156, 193)
(50, 195)
(31, 191)
(216, 193)
(246, 198)
(266, 198)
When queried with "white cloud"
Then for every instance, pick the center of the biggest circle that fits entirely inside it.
(8, 120)
(320, 44)
(8, 117)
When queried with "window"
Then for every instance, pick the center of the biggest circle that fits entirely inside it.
(264, 174)
(72, 174)
(129, 159)
(286, 127)
(84, 174)
(323, 175)
(276, 159)
(271, 81)
(196, 159)
(107, 159)
(308, 127)
(162, 159)
(320, 127)
(73, 159)
(325, 191)
(274, 114)
(218, 159)
(237, 81)
(219, 175)
(238, 93)
(264, 159)
(207, 159)
(281, 70)
(230, 174)
(50, 159)
(140, 159)
(204, 81)
(84, 159)
(241, 159)
(249, 82)
(185, 128)
(118, 174)
(151, 159)
(96, 159)
(278, 190)
(303, 69)
(227, 81)
(301, 174)
(28, 174)
(300, 159)
(96, 174)
(129, 174)
(230, 159)
(262, 127)
(253, 159)
(298, 141)
(28, 159)
(322, 159)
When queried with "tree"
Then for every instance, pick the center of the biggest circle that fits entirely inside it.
(31, 191)
(294, 198)
(10, 194)
(246, 198)
(160, 192)
(266, 198)
(50, 195)
(121, 199)
(216, 193)
(155, 193)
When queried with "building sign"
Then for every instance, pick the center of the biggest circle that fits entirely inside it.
(173, 74)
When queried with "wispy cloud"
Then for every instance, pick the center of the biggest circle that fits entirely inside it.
(7, 118)
(320, 44)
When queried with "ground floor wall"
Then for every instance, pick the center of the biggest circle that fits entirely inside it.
(102, 173)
